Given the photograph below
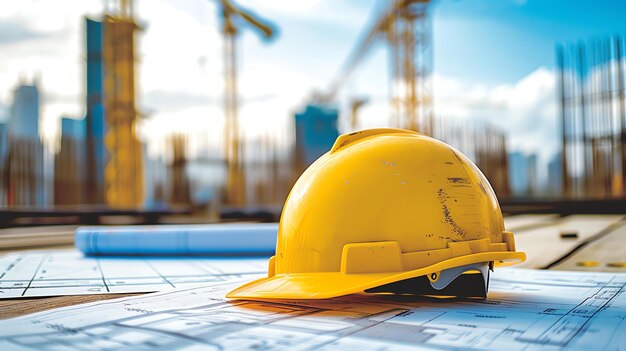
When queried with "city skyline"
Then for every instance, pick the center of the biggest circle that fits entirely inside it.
(506, 76)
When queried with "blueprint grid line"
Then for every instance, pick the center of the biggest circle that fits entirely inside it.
(159, 273)
(30, 282)
(106, 286)
(68, 272)
(121, 277)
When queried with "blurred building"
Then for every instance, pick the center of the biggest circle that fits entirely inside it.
(69, 164)
(316, 131)
(95, 124)
(156, 181)
(150, 179)
(179, 187)
(24, 171)
(24, 113)
(4, 153)
(522, 174)
(592, 92)
(269, 172)
(114, 153)
(555, 175)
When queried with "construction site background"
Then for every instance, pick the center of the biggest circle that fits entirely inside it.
(102, 161)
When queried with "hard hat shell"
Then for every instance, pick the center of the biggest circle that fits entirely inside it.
(383, 205)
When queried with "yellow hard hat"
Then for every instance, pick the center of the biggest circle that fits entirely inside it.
(386, 210)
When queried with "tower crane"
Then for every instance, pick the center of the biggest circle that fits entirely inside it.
(233, 19)
(405, 27)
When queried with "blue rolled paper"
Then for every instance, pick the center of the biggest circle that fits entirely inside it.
(191, 239)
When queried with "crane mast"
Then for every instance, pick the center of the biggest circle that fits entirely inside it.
(231, 14)
(404, 26)
(123, 173)
(409, 37)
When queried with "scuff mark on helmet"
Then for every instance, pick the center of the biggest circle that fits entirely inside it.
(459, 180)
(447, 216)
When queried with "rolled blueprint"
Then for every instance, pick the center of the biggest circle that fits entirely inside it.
(192, 239)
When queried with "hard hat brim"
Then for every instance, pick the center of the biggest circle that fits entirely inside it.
(322, 285)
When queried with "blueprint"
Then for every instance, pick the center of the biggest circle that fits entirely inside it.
(526, 310)
(68, 272)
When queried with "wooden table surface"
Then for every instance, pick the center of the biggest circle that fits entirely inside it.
(550, 242)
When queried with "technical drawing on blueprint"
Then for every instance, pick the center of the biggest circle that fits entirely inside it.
(68, 272)
(525, 310)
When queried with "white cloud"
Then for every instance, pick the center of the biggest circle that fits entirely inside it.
(180, 73)
(526, 110)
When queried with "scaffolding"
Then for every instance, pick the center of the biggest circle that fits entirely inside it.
(405, 27)
(409, 35)
(593, 118)
(123, 173)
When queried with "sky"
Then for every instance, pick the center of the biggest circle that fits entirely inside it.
(493, 61)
